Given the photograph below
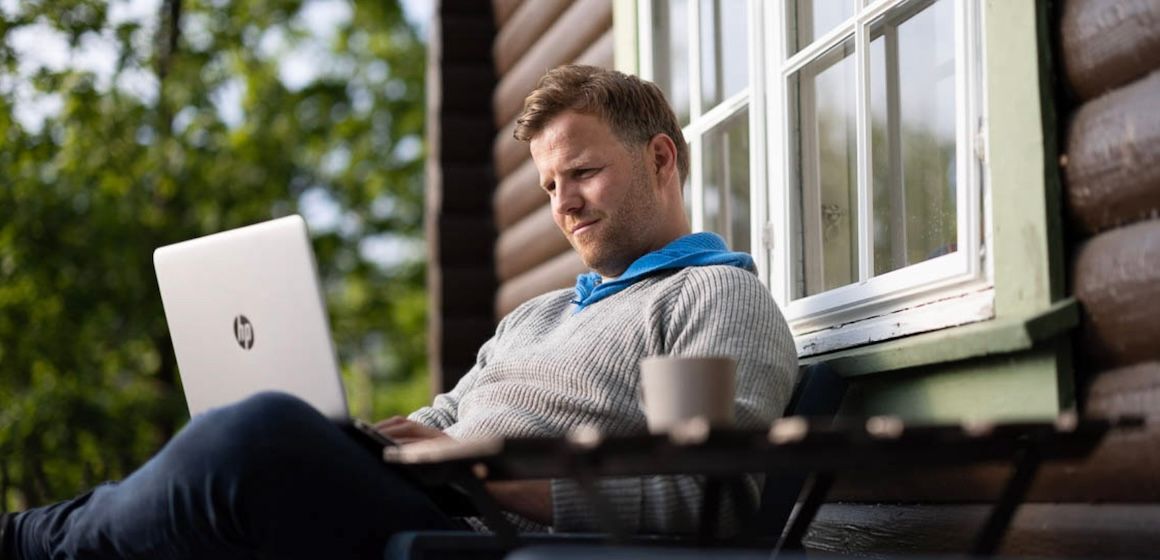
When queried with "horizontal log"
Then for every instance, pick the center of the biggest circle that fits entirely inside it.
(1108, 43)
(1117, 279)
(518, 195)
(1113, 157)
(526, 25)
(575, 30)
(502, 11)
(1124, 468)
(1131, 390)
(529, 243)
(509, 153)
(1040, 530)
(602, 53)
(557, 273)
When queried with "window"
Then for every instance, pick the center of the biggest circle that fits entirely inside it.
(836, 140)
(706, 77)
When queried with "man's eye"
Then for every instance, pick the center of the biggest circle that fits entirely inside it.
(550, 188)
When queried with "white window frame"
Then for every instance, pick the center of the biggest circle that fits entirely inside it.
(944, 291)
(701, 122)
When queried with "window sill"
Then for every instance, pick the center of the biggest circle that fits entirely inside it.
(985, 338)
(960, 309)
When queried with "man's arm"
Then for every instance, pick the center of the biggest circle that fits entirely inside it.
(529, 498)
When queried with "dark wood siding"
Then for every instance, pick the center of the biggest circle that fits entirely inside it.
(1110, 56)
(460, 182)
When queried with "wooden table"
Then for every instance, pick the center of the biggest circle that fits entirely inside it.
(790, 445)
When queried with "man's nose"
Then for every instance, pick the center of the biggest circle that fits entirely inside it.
(569, 199)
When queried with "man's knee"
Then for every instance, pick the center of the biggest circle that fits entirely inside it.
(274, 407)
(258, 424)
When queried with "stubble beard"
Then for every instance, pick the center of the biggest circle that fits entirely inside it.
(624, 234)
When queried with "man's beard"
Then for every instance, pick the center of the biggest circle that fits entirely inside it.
(621, 236)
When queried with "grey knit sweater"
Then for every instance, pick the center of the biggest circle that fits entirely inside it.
(548, 370)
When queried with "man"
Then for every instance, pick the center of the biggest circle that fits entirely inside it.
(271, 477)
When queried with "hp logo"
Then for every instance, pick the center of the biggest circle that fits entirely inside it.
(244, 332)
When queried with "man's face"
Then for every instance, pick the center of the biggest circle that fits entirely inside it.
(603, 197)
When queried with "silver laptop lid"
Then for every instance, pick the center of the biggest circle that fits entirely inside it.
(246, 315)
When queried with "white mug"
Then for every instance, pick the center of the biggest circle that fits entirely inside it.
(675, 390)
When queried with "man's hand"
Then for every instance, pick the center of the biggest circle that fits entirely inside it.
(403, 431)
(529, 498)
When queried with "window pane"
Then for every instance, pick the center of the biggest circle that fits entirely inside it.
(671, 53)
(912, 80)
(810, 19)
(726, 180)
(822, 105)
(724, 50)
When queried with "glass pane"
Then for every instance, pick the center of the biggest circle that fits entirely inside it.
(726, 180)
(912, 81)
(809, 19)
(671, 53)
(724, 50)
(824, 173)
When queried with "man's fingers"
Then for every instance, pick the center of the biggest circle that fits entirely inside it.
(404, 431)
(392, 421)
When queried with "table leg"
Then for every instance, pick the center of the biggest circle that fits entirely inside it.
(505, 532)
(819, 487)
(710, 509)
(989, 537)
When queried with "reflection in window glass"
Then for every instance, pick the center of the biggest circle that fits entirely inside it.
(912, 80)
(822, 109)
(726, 180)
(724, 50)
(810, 19)
(671, 53)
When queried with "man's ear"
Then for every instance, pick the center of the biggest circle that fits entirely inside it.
(662, 152)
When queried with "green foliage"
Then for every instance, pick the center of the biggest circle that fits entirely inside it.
(88, 383)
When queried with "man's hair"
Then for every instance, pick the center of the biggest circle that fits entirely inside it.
(635, 109)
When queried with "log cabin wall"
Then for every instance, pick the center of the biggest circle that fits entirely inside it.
(1110, 53)
(492, 243)
(531, 255)
(1106, 54)
(460, 181)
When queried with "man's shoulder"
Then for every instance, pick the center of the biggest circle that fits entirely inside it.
(716, 285)
(551, 301)
(716, 277)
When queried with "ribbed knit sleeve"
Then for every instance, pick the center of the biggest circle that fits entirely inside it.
(704, 311)
(444, 410)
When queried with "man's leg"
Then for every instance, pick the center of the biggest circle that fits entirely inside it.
(268, 477)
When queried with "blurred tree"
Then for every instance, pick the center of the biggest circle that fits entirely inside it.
(211, 114)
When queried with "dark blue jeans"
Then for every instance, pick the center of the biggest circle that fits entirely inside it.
(266, 478)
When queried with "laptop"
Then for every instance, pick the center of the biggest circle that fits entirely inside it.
(246, 315)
